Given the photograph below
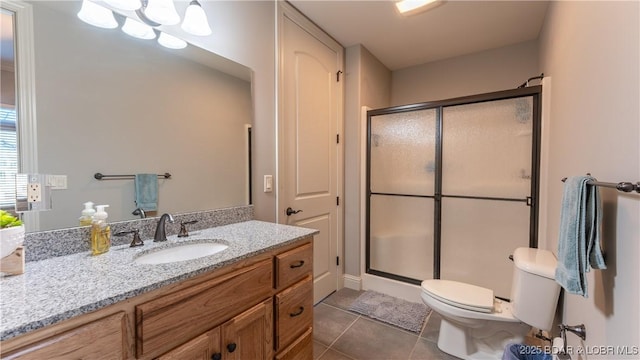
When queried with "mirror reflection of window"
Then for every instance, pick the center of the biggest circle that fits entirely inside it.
(18, 136)
(8, 117)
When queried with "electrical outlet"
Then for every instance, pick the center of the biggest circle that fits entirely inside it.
(34, 192)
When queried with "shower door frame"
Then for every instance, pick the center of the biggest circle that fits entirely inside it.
(532, 201)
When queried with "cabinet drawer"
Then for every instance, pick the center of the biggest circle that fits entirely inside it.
(106, 338)
(300, 349)
(293, 265)
(294, 312)
(171, 320)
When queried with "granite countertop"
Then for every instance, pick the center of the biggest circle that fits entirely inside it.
(60, 288)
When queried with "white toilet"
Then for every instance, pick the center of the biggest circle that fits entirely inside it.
(475, 325)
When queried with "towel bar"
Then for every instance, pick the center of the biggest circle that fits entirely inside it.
(621, 186)
(100, 176)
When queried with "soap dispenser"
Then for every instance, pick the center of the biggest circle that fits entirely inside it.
(87, 214)
(100, 232)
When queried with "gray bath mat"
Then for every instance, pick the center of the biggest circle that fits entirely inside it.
(401, 313)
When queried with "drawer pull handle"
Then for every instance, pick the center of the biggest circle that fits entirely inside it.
(297, 313)
(297, 265)
(231, 347)
(216, 356)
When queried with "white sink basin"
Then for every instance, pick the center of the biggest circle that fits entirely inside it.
(182, 252)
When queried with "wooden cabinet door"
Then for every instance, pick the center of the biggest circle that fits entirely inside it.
(106, 338)
(300, 349)
(294, 312)
(204, 347)
(250, 334)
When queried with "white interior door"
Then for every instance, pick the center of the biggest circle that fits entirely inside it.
(310, 165)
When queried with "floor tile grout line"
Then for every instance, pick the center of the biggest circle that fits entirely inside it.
(341, 353)
(324, 352)
(414, 347)
(343, 332)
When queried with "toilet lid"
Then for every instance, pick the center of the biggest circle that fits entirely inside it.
(465, 296)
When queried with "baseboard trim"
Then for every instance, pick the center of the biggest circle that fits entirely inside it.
(391, 287)
(352, 282)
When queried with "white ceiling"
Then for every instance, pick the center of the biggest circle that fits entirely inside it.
(452, 29)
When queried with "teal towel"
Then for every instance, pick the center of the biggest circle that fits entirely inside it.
(579, 237)
(147, 191)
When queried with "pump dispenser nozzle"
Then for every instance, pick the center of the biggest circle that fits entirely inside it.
(87, 214)
(100, 213)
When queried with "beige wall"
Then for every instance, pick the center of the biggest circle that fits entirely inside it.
(487, 71)
(244, 31)
(591, 52)
(368, 83)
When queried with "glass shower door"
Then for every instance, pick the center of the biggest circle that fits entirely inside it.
(486, 190)
(402, 167)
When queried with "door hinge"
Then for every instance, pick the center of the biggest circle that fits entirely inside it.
(337, 138)
(529, 201)
(338, 75)
(337, 260)
(337, 200)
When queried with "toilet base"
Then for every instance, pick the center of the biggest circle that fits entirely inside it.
(486, 341)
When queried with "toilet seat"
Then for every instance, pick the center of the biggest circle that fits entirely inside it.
(460, 295)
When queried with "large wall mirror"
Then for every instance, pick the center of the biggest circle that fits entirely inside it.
(110, 103)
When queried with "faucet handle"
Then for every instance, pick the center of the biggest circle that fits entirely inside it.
(136, 237)
(183, 229)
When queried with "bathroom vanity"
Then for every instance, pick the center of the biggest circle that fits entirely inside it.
(253, 300)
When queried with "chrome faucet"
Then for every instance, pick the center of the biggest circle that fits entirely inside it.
(161, 234)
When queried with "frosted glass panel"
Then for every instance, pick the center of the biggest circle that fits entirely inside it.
(401, 236)
(477, 238)
(403, 152)
(487, 149)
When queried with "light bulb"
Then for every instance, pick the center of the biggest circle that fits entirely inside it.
(195, 20)
(162, 11)
(125, 4)
(138, 29)
(97, 15)
(171, 42)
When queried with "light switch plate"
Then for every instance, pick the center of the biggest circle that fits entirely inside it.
(57, 182)
(268, 183)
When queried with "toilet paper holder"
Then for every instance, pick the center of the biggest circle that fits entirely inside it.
(578, 330)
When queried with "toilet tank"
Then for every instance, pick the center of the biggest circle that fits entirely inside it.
(534, 291)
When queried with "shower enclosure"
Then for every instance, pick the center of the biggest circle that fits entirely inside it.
(452, 188)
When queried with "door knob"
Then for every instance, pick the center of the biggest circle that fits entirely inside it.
(290, 211)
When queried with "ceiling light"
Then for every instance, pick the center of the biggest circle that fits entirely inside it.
(410, 7)
(125, 4)
(195, 20)
(138, 30)
(162, 11)
(97, 15)
(171, 42)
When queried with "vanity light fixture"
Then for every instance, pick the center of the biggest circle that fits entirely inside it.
(170, 41)
(138, 30)
(411, 7)
(195, 20)
(128, 5)
(97, 15)
(162, 12)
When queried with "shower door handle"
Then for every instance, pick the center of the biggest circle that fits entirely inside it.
(290, 211)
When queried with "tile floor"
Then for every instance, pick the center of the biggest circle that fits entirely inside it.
(339, 334)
